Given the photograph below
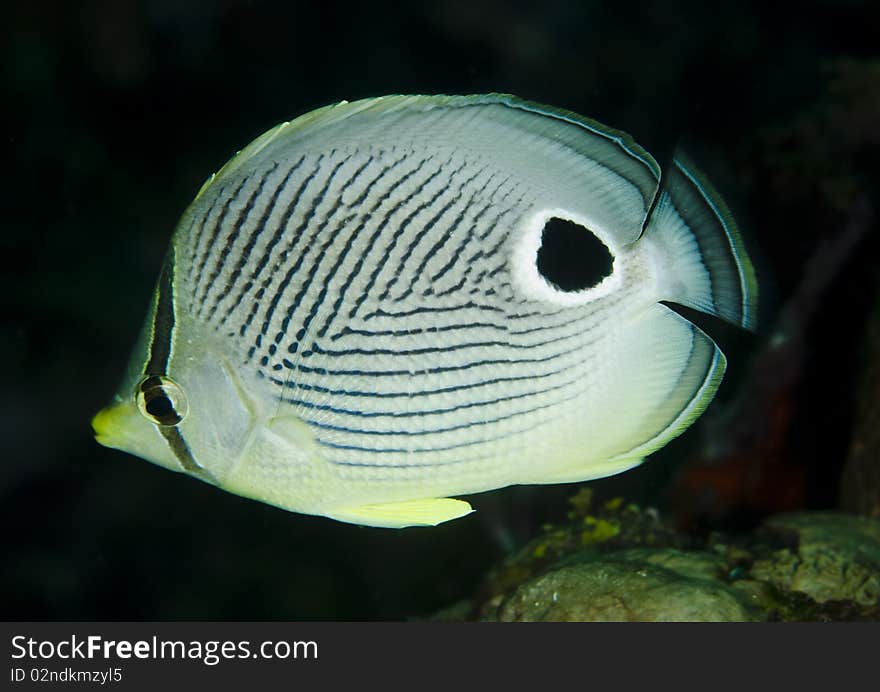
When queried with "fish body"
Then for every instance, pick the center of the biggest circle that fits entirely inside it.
(352, 321)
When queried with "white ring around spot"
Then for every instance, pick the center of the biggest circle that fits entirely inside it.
(524, 261)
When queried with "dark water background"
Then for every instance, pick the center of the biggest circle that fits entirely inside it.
(116, 111)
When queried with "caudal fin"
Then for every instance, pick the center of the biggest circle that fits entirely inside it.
(707, 265)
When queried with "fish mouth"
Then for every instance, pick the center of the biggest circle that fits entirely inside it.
(121, 426)
(106, 422)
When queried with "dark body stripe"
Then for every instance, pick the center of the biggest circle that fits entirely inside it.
(246, 252)
(305, 225)
(219, 222)
(233, 236)
(375, 304)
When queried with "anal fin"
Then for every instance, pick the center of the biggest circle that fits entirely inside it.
(397, 515)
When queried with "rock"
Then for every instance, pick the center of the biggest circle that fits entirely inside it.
(834, 557)
(653, 585)
(616, 561)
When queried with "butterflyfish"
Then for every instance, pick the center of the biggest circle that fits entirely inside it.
(356, 317)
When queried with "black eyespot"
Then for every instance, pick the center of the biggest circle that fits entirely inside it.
(571, 257)
(161, 400)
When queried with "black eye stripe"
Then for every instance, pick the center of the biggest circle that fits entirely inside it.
(158, 402)
(161, 407)
(163, 320)
(151, 383)
(163, 402)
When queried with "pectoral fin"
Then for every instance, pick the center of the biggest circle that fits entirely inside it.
(397, 515)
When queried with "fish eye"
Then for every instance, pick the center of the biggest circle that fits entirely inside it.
(571, 257)
(161, 400)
